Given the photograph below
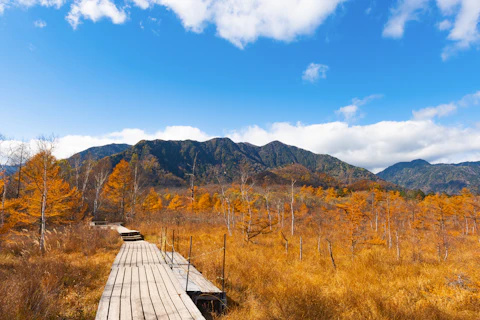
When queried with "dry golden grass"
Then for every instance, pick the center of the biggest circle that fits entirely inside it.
(65, 283)
(263, 282)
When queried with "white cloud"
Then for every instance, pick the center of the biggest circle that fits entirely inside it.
(95, 10)
(373, 146)
(40, 23)
(314, 72)
(465, 32)
(470, 100)
(31, 47)
(432, 112)
(444, 25)
(349, 113)
(68, 145)
(244, 21)
(405, 10)
(143, 4)
(447, 109)
(3, 6)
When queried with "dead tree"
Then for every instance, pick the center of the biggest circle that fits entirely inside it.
(100, 177)
(192, 181)
(292, 200)
(20, 155)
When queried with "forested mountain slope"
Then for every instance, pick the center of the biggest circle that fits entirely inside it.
(448, 178)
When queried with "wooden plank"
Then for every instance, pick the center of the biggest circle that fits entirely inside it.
(180, 267)
(167, 301)
(125, 304)
(102, 311)
(139, 258)
(119, 256)
(148, 256)
(157, 302)
(184, 305)
(125, 256)
(114, 309)
(134, 257)
(148, 310)
(135, 299)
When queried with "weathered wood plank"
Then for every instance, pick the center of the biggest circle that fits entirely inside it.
(148, 310)
(102, 311)
(179, 297)
(157, 302)
(116, 262)
(114, 309)
(135, 299)
(125, 304)
(168, 303)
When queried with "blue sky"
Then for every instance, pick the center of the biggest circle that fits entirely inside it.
(99, 71)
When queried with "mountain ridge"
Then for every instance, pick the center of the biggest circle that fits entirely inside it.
(176, 157)
(441, 177)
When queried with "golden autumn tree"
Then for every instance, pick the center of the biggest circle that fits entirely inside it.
(176, 203)
(118, 188)
(355, 218)
(47, 195)
(204, 203)
(441, 207)
(152, 202)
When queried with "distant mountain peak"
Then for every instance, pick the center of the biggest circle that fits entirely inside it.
(420, 174)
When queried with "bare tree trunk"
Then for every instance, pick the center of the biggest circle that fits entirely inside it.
(269, 216)
(331, 255)
(44, 205)
(4, 198)
(88, 169)
(21, 154)
(100, 179)
(46, 146)
(135, 190)
(389, 224)
(192, 182)
(291, 206)
(398, 245)
(76, 167)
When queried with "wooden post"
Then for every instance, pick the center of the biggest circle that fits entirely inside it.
(188, 268)
(301, 248)
(165, 244)
(173, 245)
(286, 246)
(224, 255)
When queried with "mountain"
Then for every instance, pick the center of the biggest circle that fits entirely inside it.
(98, 153)
(448, 178)
(175, 159)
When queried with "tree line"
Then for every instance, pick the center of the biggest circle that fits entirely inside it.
(46, 191)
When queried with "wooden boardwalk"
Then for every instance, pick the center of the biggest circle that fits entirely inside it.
(142, 286)
(196, 281)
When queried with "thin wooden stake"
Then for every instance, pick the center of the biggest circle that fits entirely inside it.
(286, 247)
(188, 268)
(224, 255)
(173, 245)
(165, 244)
